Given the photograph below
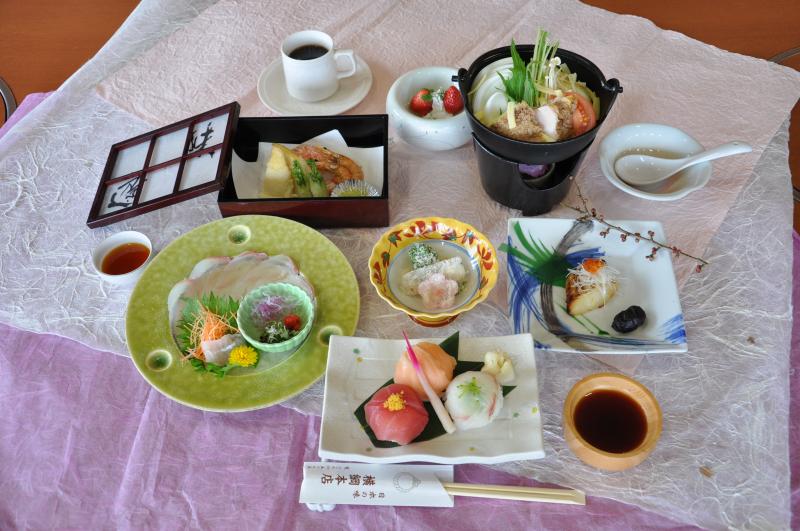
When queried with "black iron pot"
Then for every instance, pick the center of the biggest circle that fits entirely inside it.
(508, 184)
(539, 152)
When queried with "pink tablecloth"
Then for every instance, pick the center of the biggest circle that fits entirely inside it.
(86, 443)
(27, 105)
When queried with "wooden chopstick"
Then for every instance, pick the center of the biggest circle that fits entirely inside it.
(502, 492)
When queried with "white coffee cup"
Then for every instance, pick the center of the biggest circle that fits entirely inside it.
(318, 78)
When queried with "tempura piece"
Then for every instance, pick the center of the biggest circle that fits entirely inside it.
(277, 179)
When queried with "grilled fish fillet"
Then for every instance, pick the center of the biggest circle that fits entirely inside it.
(580, 302)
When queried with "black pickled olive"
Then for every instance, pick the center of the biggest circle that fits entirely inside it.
(629, 320)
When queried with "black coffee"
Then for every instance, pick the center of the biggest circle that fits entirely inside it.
(308, 51)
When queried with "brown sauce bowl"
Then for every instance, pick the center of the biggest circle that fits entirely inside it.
(622, 384)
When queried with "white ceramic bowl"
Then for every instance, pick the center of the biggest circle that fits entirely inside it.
(114, 241)
(433, 135)
(654, 139)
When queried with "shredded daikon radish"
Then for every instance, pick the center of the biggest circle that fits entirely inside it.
(593, 273)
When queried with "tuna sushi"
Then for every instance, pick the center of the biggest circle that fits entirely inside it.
(395, 413)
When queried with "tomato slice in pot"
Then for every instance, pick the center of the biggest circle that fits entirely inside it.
(583, 119)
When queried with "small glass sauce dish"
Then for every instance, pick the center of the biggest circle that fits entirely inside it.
(121, 258)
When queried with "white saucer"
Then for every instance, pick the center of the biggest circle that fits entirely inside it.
(272, 92)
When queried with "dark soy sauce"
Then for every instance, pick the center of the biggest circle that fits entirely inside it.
(124, 258)
(308, 51)
(611, 421)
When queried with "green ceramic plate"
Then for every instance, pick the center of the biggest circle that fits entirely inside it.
(153, 348)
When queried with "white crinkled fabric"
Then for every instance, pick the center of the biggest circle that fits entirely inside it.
(725, 403)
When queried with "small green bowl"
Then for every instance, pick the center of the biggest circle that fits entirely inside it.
(247, 327)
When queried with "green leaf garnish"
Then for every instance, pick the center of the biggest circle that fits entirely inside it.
(515, 84)
(524, 80)
(421, 255)
(471, 389)
(276, 332)
(225, 307)
(217, 370)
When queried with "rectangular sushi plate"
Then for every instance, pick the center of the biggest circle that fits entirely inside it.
(649, 284)
(358, 367)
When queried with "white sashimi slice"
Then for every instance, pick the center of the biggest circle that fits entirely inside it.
(206, 264)
(174, 303)
(234, 277)
(249, 255)
(285, 261)
(276, 269)
(238, 277)
(217, 351)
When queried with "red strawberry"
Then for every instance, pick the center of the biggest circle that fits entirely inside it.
(292, 322)
(452, 101)
(422, 103)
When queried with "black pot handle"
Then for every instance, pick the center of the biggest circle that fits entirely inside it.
(461, 76)
(612, 85)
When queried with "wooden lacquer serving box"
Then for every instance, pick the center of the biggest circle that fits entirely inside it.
(193, 157)
(358, 131)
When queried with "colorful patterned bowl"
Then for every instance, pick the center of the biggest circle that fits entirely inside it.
(443, 232)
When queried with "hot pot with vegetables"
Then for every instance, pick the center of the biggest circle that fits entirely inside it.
(535, 104)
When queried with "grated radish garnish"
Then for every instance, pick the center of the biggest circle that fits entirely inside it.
(603, 276)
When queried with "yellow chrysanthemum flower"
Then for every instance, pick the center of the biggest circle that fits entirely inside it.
(243, 356)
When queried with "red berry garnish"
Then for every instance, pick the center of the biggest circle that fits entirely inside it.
(292, 322)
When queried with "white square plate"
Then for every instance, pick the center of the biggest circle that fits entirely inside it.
(642, 282)
(358, 367)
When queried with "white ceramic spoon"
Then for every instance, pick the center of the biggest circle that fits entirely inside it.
(644, 170)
